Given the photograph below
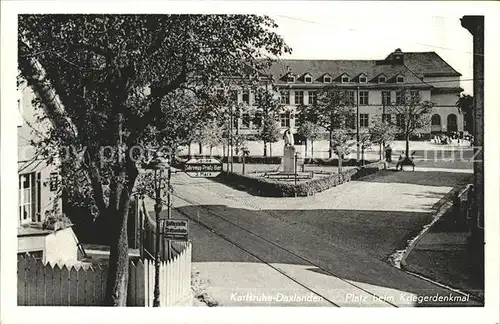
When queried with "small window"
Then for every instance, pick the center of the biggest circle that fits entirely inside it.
(387, 118)
(327, 80)
(400, 79)
(363, 120)
(312, 97)
(400, 120)
(308, 79)
(363, 97)
(257, 120)
(245, 120)
(381, 79)
(285, 97)
(299, 97)
(285, 119)
(386, 98)
(345, 79)
(351, 97)
(290, 79)
(362, 79)
(246, 96)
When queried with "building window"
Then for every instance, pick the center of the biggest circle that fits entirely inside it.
(386, 98)
(362, 79)
(299, 97)
(313, 97)
(351, 121)
(345, 79)
(350, 97)
(381, 79)
(363, 97)
(400, 120)
(308, 79)
(233, 96)
(245, 120)
(363, 120)
(290, 79)
(29, 198)
(327, 79)
(415, 95)
(400, 79)
(297, 118)
(285, 119)
(257, 120)
(285, 97)
(387, 118)
(246, 96)
(399, 98)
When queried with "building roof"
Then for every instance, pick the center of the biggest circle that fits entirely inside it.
(413, 67)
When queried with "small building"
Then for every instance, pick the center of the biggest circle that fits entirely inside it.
(39, 202)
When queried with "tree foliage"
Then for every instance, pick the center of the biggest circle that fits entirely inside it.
(331, 110)
(120, 79)
(465, 105)
(268, 103)
(415, 114)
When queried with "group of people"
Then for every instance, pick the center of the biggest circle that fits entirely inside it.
(447, 139)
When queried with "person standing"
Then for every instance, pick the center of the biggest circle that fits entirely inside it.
(400, 161)
(388, 153)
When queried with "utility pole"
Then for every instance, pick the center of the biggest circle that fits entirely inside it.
(357, 124)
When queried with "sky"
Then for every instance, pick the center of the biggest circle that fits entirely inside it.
(321, 36)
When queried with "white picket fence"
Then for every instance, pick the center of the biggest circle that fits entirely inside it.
(40, 284)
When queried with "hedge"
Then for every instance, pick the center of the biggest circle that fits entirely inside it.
(258, 159)
(271, 188)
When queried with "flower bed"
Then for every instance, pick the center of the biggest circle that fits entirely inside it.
(271, 188)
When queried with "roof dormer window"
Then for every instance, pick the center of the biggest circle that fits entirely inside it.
(382, 79)
(290, 78)
(327, 79)
(344, 79)
(400, 79)
(362, 79)
(308, 79)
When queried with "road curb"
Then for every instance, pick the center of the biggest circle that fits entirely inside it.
(398, 258)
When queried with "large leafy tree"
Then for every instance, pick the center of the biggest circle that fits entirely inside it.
(465, 104)
(382, 132)
(118, 78)
(413, 115)
(311, 132)
(268, 104)
(341, 144)
(331, 110)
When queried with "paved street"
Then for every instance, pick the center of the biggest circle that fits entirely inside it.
(328, 249)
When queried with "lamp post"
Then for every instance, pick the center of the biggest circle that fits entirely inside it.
(158, 165)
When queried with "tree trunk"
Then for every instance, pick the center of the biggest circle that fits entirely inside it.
(243, 171)
(340, 163)
(312, 149)
(211, 147)
(189, 149)
(407, 146)
(270, 149)
(362, 155)
(199, 148)
(305, 150)
(330, 151)
(265, 148)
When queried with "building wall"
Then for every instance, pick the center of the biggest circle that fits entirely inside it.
(31, 128)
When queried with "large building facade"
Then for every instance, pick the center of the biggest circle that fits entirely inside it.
(374, 85)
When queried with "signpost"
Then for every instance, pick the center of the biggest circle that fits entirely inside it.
(203, 168)
(175, 229)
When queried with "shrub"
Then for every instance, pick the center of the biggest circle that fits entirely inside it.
(272, 188)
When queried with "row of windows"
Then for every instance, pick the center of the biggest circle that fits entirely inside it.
(290, 78)
(285, 117)
(363, 97)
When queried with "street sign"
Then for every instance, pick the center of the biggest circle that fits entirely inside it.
(203, 168)
(175, 229)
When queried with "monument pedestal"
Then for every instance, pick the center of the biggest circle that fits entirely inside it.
(289, 159)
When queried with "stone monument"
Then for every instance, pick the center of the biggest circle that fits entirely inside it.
(288, 152)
